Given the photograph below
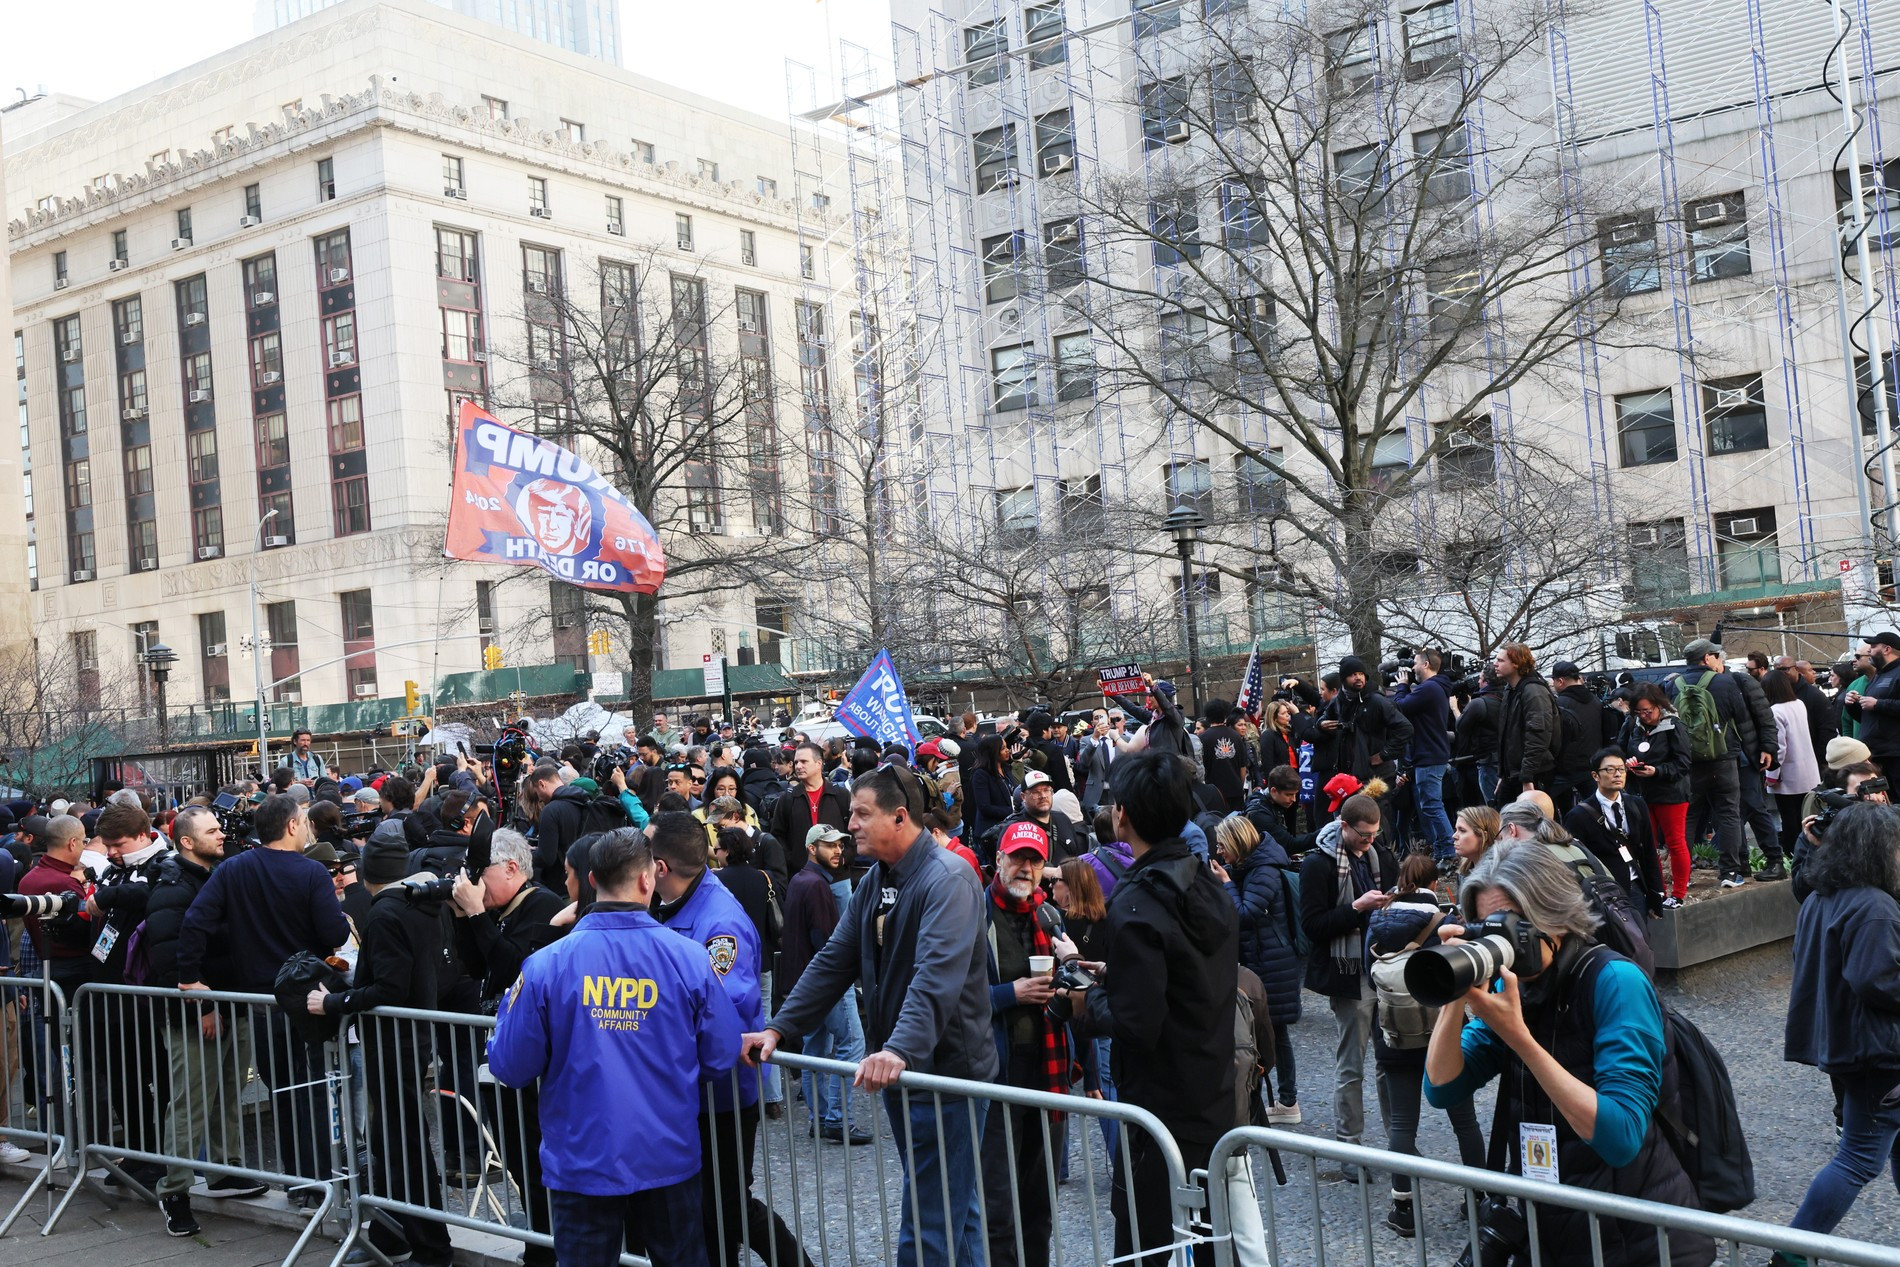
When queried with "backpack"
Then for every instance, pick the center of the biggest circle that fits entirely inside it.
(1623, 928)
(1116, 867)
(138, 957)
(1704, 1127)
(1404, 1022)
(1701, 720)
(602, 813)
(1246, 1061)
(1569, 737)
(1295, 934)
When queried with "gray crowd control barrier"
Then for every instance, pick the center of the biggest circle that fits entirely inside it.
(33, 1100)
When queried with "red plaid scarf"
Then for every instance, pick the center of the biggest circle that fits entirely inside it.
(1057, 1074)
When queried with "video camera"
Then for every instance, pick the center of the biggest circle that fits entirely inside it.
(1838, 801)
(358, 824)
(1437, 975)
(37, 905)
(235, 817)
(609, 760)
(1397, 669)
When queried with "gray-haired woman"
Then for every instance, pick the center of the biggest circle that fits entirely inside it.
(1575, 1039)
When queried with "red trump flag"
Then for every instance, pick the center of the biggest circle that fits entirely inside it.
(524, 500)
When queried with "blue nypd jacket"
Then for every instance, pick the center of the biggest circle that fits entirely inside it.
(713, 918)
(619, 1017)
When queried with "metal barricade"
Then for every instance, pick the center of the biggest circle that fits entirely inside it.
(205, 1081)
(33, 1058)
(1334, 1224)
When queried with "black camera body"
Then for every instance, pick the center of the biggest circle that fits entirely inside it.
(1503, 1236)
(1069, 975)
(358, 824)
(428, 890)
(1437, 975)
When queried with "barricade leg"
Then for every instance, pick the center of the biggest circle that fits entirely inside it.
(33, 1013)
(1017, 1199)
(402, 1165)
(287, 1064)
(940, 1140)
(516, 1122)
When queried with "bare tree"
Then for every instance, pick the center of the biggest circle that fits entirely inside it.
(1352, 239)
(59, 717)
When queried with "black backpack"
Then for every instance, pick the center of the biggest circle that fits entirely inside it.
(1705, 1126)
(1623, 925)
(1569, 738)
(603, 813)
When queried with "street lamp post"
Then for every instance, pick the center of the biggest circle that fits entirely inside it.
(158, 660)
(257, 653)
(1185, 523)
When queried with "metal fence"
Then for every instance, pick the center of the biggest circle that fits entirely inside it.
(32, 1058)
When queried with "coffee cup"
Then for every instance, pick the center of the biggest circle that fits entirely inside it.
(1041, 965)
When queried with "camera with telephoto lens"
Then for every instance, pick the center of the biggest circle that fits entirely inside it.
(37, 905)
(609, 760)
(417, 890)
(1399, 668)
(1503, 1235)
(1436, 975)
(234, 819)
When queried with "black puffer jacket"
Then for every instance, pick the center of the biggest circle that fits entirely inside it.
(558, 827)
(179, 880)
(1581, 700)
(1260, 893)
(1666, 748)
(1529, 735)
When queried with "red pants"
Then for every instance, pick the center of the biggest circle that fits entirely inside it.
(1672, 823)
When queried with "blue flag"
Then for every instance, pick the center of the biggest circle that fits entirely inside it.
(877, 706)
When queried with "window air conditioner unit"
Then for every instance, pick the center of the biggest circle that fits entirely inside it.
(83, 574)
(338, 275)
(61, 283)
(271, 543)
(1064, 233)
(541, 213)
(451, 191)
(1732, 398)
(364, 689)
(212, 552)
(1744, 527)
(70, 356)
(479, 357)
(1056, 164)
(1177, 132)
(129, 337)
(262, 297)
(248, 222)
(268, 377)
(1710, 213)
(179, 244)
(537, 287)
(131, 413)
(1008, 179)
(117, 266)
(1623, 233)
(194, 318)
(1244, 111)
(618, 230)
(216, 648)
(339, 359)
(199, 395)
(1465, 440)
(1647, 538)
(293, 697)
(148, 565)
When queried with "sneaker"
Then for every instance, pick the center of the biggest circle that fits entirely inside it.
(1283, 1114)
(178, 1220)
(13, 1155)
(233, 1186)
(1771, 873)
(1734, 880)
(836, 1135)
(1779, 1259)
(1672, 904)
(1401, 1219)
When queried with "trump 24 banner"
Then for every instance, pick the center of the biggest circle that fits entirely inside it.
(525, 500)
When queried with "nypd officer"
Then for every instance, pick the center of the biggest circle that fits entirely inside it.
(693, 903)
(639, 1019)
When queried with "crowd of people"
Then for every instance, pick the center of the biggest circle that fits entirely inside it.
(1131, 903)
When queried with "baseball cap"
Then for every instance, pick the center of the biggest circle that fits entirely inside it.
(1565, 668)
(1018, 837)
(822, 832)
(929, 748)
(368, 796)
(1035, 778)
(36, 825)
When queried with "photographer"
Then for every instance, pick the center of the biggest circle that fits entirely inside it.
(1573, 1033)
(1369, 729)
(1859, 782)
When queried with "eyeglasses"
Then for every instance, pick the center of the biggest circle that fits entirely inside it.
(1612, 769)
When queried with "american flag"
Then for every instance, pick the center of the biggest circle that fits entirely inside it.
(1252, 694)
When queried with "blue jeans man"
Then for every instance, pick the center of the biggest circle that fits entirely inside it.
(839, 1037)
(940, 1141)
(1428, 791)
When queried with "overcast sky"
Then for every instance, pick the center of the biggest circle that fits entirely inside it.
(732, 49)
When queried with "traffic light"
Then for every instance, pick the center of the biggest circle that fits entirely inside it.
(491, 656)
(411, 698)
(600, 642)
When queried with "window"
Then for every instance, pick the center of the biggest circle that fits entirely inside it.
(78, 484)
(1468, 459)
(643, 150)
(214, 658)
(454, 255)
(282, 529)
(85, 652)
(616, 216)
(119, 251)
(142, 535)
(995, 158)
(1737, 414)
(1013, 378)
(496, 107)
(1176, 226)
(132, 393)
(184, 223)
(772, 620)
(1431, 38)
(1254, 335)
(537, 195)
(1243, 218)
(486, 623)
(1352, 58)
(807, 262)
(138, 470)
(1155, 16)
(1443, 159)
(1646, 428)
(273, 446)
(346, 424)
(683, 231)
(207, 528)
(1864, 398)
(1182, 345)
(541, 270)
(709, 170)
(1628, 247)
(1232, 91)
(1062, 254)
(349, 504)
(359, 642)
(339, 340)
(1044, 22)
(1164, 112)
(1880, 193)
(197, 375)
(1718, 238)
(1391, 460)
(1360, 177)
(60, 276)
(260, 281)
(454, 178)
(1055, 143)
(984, 47)
(254, 201)
(267, 361)
(326, 180)
(748, 248)
(767, 188)
(1258, 488)
(1747, 552)
(280, 622)
(1002, 258)
(1015, 516)
(201, 454)
(128, 318)
(1191, 483)
(575, 132)
(461, 334)
(333, 258)
(191, 301)
(1455, 304)
(1075, 366)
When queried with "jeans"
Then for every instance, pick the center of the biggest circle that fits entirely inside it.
(771, 1088)
(1405, 1092)
(1758, 811)
(661, 1223)
(1354, 1017)
(1487, 782)
(932, 1233)
(207, 1077)
(1870, 1139)
(1715, 793)
(1428, 790)
(840, 1036)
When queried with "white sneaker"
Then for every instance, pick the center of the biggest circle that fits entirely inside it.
(13, 1154)
(1283, 1114)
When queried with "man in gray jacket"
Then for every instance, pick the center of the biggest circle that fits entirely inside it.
(914, 938)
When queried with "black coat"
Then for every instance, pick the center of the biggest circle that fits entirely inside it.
(1822, 716)
(1529, 736)
(1630, 856)
(555, 831)
(494, 944)
(401, 957)
(1369, 725)
(1667, 750)
(1844, 1007)
(1323, 917)
(753, 890)
(1582, 701)
(1476, 734)
(1879, 712)
(1168, 1001)
(179, 880)
(986, 802)
(791, 820)
(1747, 718)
